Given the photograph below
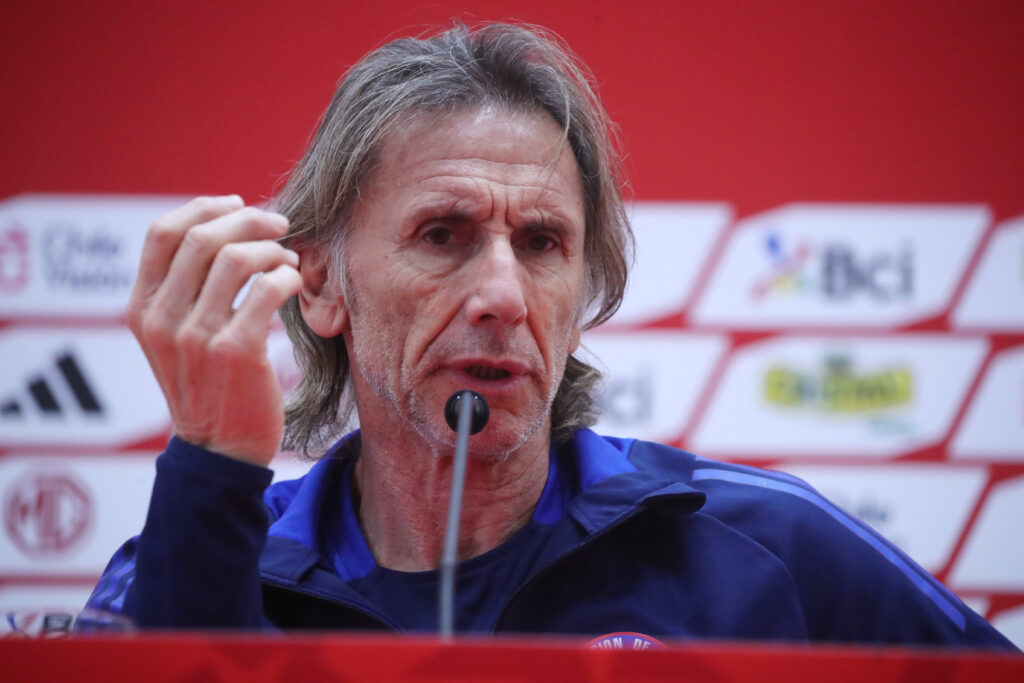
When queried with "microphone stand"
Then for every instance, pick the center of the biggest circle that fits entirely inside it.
(451, 533)
(473, 413)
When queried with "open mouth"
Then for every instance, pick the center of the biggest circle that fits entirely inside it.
(487, 373)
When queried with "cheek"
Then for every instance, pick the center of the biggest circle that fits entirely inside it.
(562, 297)
(555, 321)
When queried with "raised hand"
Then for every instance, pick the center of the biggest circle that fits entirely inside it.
(209, 359)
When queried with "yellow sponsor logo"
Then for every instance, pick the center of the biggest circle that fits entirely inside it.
(838, 389)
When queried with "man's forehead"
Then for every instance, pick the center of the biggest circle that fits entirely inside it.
(514, 143)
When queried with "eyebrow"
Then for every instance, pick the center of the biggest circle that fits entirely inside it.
(462, 204)
(548, 222)
(441, 208)
(449, 209)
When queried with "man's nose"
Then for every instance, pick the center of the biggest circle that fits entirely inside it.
(497, 287)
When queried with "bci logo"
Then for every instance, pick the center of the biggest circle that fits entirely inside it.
(836, 271)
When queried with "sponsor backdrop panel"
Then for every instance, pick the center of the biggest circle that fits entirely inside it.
(89, 387)
(31, 608)
(64, 516)
(841, 265)
(854, 396)
(843, 298)
(993, 428)
(995, 296)
(993, 555)
(653, 380)
(72, 255)
(673, 241)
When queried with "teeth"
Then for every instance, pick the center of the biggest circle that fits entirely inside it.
(481, 372)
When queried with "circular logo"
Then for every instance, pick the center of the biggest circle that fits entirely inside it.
(46, 513)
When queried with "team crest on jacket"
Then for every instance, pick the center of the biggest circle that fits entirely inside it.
(625, 640)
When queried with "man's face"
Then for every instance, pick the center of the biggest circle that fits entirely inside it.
(466, 271)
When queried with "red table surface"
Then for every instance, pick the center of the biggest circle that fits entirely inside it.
(203, 657)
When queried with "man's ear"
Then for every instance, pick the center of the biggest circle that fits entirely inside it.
(574, 340)
(320, 299)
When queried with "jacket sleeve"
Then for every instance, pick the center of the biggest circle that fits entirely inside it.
(196, 563)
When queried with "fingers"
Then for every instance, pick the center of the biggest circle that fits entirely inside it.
(198, 248)
(164, 236)
(232, 267)
(250, 323)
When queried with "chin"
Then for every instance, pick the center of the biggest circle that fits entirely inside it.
(504, 434)
(498, 442)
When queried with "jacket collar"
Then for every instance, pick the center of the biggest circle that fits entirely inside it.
(609, 488)
(293, 539)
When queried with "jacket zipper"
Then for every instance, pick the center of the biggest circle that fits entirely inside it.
(559, 560)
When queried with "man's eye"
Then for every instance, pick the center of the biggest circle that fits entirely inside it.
(541, 242)
(439, 237)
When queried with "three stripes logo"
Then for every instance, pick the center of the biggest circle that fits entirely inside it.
(55, 395)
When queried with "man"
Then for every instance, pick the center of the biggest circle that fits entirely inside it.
(456, 223)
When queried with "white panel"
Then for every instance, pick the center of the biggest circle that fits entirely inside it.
(842, 265)
(67, 515)
(652, 381)
(281, 355)
(72, 255)
(993, 556)
(862, 397)
(43, 598)
(920, 508)
(129, 404)
(995, 295)
(673, 241)
(1011, 624)
(993, 427)
(979, 605)
(286, 467)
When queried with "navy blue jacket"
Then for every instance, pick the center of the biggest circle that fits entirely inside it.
(655, 540)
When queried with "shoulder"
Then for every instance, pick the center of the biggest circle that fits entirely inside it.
(854, 584)
(777, 510)
(773, 508)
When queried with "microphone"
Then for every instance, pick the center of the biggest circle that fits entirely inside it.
(481, 411)
(467, 413)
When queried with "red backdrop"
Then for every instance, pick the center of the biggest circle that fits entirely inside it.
(755, 103)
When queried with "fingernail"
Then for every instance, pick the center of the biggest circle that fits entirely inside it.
(278, 219)
(293, 256)
(234, 200)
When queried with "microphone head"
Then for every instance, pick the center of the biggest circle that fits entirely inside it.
(480, 412)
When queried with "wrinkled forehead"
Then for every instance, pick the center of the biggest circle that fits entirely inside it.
(527, 137)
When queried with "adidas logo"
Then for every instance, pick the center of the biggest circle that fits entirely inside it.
(56, 392)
